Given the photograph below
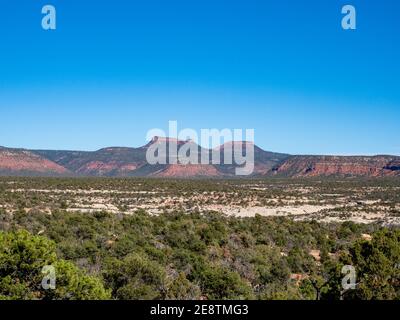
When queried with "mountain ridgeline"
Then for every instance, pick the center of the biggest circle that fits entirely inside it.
(131, 162)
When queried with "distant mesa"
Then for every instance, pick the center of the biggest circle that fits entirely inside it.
(235, 144)
(131, 162)
(167, 140)
(24, 162)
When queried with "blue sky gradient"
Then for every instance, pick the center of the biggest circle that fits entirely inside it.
(115, 69)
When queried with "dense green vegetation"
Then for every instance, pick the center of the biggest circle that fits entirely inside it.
(22, 258)
(184, 250)
(192, 256)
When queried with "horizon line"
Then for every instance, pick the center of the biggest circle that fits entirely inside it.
(211, 148)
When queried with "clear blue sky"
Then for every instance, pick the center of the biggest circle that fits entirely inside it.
(115, 69)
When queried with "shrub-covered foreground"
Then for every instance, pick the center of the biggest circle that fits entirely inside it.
(193, 256)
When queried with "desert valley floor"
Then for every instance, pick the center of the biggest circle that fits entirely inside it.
(326, 200)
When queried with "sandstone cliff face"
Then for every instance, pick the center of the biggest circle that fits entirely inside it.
(104, 162)
(21, 162)
(314, 166)
(187, 171)
(118, 161)
(125, 162)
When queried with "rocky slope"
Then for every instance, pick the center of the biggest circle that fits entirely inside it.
(126, 162)
(104, 162)
(119, 161)
(23, 162)
(314, 166)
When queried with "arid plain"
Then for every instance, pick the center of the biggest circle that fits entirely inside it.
(324, 200)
